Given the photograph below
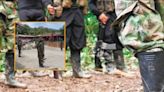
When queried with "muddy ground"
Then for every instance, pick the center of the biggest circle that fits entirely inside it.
(99, 82)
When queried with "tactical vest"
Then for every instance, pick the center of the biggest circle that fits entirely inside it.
(105, 5)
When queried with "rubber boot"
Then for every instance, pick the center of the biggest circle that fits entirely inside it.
(119, 60)
(12, 82)
(9, 71)
(152, 70)
(76, 67)
(41, 61)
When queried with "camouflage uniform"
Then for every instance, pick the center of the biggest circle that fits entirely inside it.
(8, 17)
(19, 45)
(107, 35)
(143, 33)
(40, 49)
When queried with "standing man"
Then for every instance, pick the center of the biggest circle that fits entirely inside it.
(75, 35)
(104, 10)
(40, 49)
(7, 17)
(34, 10)
(19, 44)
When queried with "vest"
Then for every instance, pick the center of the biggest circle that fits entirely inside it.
(105, 5)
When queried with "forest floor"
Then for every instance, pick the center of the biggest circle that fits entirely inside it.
(99, 82)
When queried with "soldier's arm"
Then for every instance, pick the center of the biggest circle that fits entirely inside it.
(93, 8)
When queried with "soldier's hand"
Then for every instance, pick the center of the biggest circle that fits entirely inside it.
(103, 18)
(51, 9)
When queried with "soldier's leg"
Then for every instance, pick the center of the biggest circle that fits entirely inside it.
(75, 61)
(19, 52)
(40, 58)
(76, 66)
(9, 65)
(99, 37)
(108, 64)
(97, 62)
(119, 59)
(41, 61)
(9, 73)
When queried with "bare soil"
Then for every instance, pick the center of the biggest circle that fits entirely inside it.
(99, 82)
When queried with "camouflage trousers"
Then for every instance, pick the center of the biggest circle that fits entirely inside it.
(114, 57)
(40, 57)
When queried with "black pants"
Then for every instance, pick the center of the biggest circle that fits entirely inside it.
(75, 34)
(19, 51)
(31, 15)
(108, 35)
(152, 70)
(75, 60)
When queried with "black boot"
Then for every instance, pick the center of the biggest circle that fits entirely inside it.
(41, 61)
(76, 67)
(152, 70)
(119, 60)
(9, 73)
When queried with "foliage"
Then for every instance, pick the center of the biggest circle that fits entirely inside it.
(130, 61)
(27, 30)
(2, 59)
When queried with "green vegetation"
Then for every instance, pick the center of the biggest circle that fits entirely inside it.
(27, 30)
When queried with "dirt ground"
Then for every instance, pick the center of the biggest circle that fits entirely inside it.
(29, 59)
(99, 82)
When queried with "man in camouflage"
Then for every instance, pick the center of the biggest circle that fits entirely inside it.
(40, 49)
(104, 10)
(19, 45)
(142, 32)
(7, 17)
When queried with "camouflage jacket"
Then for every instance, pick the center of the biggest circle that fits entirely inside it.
(8, 17)
(141, 27)
(121, 5)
